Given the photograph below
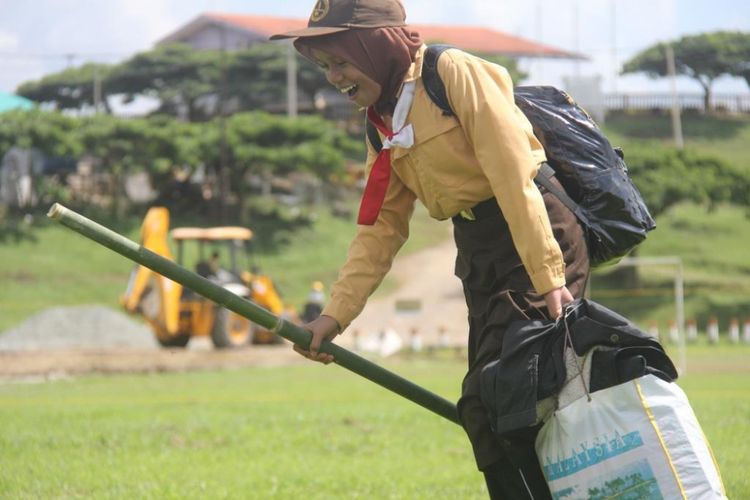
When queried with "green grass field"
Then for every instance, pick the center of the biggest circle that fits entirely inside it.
(306, 431)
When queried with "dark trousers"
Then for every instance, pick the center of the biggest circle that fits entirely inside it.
(498, 291)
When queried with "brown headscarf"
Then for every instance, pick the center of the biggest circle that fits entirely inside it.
(383, 54)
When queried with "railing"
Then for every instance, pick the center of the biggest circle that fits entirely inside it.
(732, 103)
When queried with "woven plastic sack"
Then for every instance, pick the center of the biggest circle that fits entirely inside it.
(637, 440)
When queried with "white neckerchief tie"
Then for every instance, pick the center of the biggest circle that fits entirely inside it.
(404, 135)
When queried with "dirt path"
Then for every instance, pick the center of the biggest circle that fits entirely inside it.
(53, 364)
(424, 278)
(40, 350)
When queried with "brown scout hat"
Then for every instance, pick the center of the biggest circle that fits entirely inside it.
(331, 16)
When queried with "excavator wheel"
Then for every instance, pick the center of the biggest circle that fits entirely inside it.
(180, 340)
(230, 329)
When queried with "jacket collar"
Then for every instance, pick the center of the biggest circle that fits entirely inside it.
(415, 69)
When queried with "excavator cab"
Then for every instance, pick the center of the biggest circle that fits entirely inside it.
(176, 314)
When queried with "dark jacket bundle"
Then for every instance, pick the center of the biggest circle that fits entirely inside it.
(531, 366)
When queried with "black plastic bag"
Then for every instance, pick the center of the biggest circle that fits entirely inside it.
(591, 171)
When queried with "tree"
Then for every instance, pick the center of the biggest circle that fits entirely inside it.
(743, 71)
(189, 83)
(257, 76)
(122, 147)
(738, 55)
(177, 75)
(48, 132)
(201, 82)
(702, 57)
(262, 145)
(666, 177)
(72, 88)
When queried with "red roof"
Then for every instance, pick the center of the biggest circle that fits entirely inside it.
(472, 38)
(488, 41)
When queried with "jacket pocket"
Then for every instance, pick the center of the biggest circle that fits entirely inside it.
(425, 131)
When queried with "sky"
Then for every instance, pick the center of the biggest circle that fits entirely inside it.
(39, 37)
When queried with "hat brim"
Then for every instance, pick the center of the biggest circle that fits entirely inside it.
(315, 31)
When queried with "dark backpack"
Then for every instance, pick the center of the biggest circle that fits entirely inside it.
(594, 176)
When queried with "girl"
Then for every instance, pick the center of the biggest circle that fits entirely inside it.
(521, 253)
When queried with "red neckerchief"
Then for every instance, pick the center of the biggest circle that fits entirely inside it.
(380, 175)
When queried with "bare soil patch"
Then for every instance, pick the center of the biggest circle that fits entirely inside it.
(51, 364)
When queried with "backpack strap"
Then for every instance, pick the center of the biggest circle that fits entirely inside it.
(431, 78)
(373, 136)
(433, 85)
(544, 178)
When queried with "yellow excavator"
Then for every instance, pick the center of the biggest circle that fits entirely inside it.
(176, 314)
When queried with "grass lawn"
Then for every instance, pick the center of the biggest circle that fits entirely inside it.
(302, 432)
(306, 431)
(53, 266)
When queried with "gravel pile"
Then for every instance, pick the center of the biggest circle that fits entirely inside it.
(77, 327)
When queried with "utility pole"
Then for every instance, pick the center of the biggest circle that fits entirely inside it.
(676, 120)
(615, 65)
(576, 41)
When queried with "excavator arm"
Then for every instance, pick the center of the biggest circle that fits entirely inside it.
(148, 293)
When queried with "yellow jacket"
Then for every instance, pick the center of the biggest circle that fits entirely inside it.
(487, 149)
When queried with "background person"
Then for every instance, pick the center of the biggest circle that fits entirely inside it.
(517, 247)
(316, 299)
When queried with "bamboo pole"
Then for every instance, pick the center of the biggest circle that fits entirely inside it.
(251, 311)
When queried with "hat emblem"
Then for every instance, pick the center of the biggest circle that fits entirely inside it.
(320, 11)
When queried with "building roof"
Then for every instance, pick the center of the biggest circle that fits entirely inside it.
(472, 38)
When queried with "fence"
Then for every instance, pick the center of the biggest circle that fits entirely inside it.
(731, 103)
